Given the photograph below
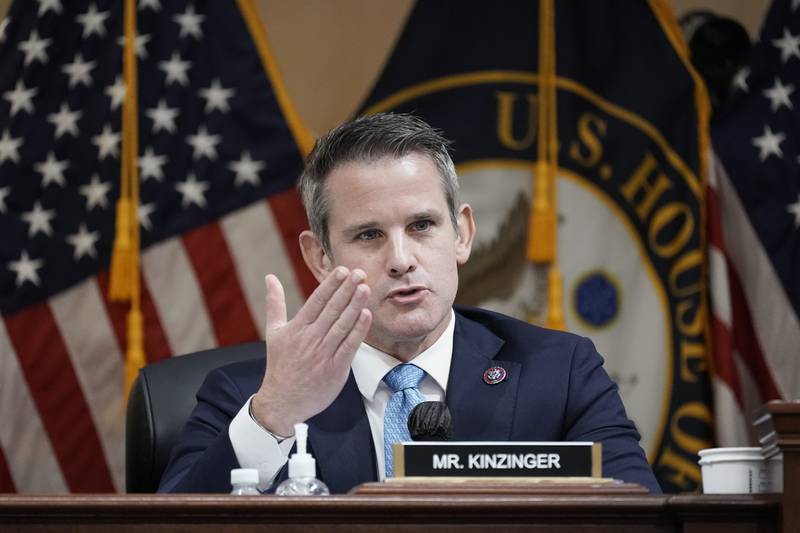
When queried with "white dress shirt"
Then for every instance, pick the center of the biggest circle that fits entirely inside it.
(257, 448)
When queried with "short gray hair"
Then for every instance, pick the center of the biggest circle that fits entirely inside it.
(368, 139)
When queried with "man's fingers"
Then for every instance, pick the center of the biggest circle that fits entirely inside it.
(319, 298)
(347, 349)
(275, 303)
(346, 320)
(338, 302)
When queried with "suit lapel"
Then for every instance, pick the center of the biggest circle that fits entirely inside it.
(480, 411)
(341, 441)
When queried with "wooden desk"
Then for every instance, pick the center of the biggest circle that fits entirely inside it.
(602, 513)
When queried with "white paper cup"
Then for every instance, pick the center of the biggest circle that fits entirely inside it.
(734, 471)
(775, 469)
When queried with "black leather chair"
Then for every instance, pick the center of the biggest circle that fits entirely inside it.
(160, 401)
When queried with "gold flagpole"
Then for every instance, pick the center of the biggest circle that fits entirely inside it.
(124, 277)
(543, 237)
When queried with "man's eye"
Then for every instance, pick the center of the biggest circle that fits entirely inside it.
(367, 235)
(421, 225)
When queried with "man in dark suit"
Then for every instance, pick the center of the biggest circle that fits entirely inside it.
(387, 235)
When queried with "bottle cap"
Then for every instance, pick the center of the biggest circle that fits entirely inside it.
(244, 475)
(301, 463)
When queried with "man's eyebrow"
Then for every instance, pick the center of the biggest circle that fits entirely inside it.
(428, 213)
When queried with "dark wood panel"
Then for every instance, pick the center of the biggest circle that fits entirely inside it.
(601, 513)
(727, 513)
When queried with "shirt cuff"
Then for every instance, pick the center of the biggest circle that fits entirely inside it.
(257, 448)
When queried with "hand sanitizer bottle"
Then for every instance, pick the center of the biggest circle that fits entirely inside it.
(244, 481)
(302, 480)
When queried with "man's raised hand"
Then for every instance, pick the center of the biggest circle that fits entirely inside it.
(309, 357)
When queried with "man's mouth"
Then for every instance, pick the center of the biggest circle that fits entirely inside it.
(407, 295)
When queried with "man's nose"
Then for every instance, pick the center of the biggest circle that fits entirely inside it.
(401, 258)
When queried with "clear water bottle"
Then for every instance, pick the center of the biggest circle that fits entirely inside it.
(245, 482)
(302, 480)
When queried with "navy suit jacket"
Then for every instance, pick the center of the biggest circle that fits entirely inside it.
(555, 390)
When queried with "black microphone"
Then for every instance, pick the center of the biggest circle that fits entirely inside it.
(430, 421)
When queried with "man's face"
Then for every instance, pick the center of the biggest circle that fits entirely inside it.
(390, 219)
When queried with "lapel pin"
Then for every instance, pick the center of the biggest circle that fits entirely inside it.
(494, 375)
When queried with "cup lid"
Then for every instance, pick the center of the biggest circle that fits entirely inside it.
(752, 451)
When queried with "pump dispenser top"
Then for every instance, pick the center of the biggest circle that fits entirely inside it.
(302, 479)
(301, 463)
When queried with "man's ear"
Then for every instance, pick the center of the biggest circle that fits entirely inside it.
(317, 260)
(465, 229)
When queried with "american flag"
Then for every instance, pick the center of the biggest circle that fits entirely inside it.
(754, 245)
(218, 160)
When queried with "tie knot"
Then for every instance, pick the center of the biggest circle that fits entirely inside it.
(404, 377)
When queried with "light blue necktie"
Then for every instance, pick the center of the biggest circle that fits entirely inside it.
(403, 380)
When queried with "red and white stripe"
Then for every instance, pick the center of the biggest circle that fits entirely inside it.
(755, 332)
(61, 361)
